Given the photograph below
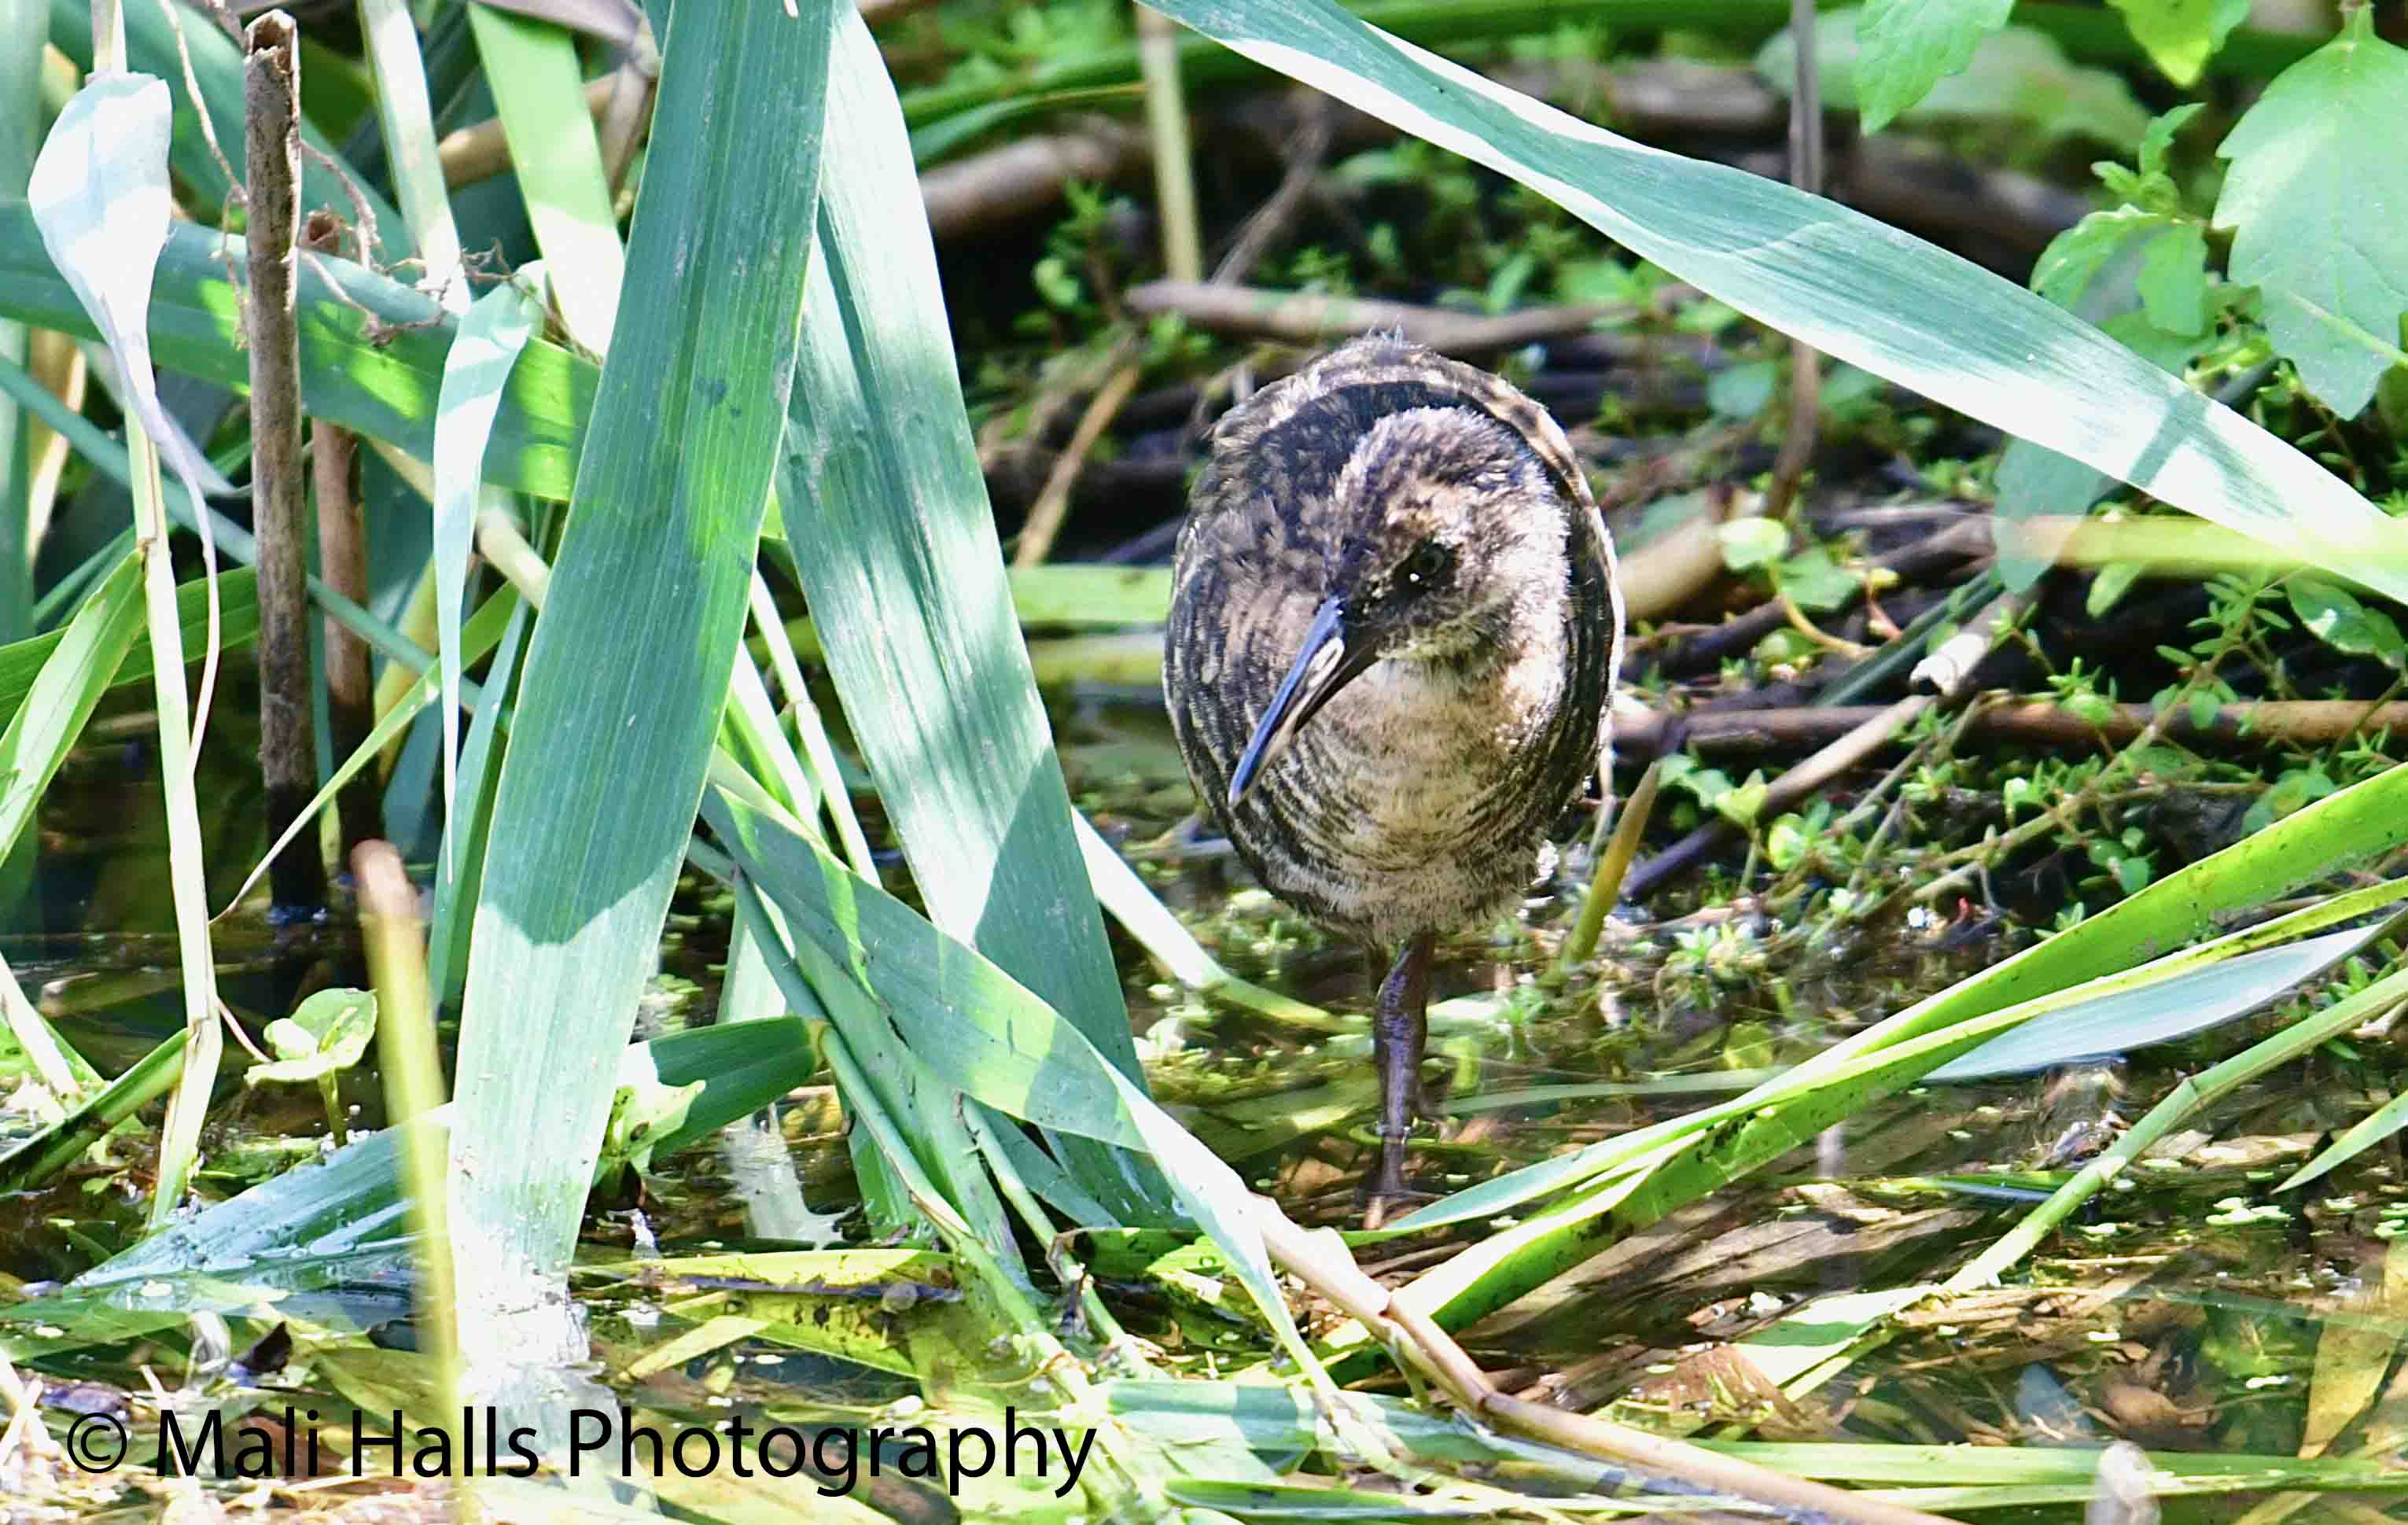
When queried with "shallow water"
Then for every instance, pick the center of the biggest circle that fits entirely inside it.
(2188, 1308)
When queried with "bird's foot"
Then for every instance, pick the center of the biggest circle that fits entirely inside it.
(1385, 1190)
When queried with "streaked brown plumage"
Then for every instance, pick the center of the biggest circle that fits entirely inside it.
(1388, 655)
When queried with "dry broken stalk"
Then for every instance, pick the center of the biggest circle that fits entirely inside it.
(1322, 1263)
(288, 753)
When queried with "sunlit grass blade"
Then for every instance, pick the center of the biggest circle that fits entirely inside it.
(894, 1080)
(150, 48)
(539, 95)
(981, 1032)
(1851, 287)
(1635, 1179)
(25, 1033)
(485, 350)
(22, 663)
(897, 546)
(472, 816)
(2186, 1099)
(408, 117)
(100, 195)
(475, 642)
(1970, 1466)
(2368, 1131)
(80, 665)
(2157, 1014)
(625, 675)
(353, 1202)
(372, 349)
(1160, 932)
(37, 1158)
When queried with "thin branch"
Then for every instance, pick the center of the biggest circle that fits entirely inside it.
(1311, 320)
(1052, 503)
(1322, 1263)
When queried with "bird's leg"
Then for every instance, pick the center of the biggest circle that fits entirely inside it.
(1400, 1034)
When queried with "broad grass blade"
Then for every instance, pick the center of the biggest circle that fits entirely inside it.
(99, 195)
(372, 349)
(629, 663)
(152, 48)
(897, 547)
(22, 662)
(539, 94)
(494, 330)
(353, 1201)
(981, 1032)
(1850, 286)
(1635, 1180)
(80, 668)
(2156, 1014)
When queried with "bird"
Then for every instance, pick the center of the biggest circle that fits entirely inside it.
(1394, 631)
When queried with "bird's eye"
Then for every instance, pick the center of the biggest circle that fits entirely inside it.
(1427, 565)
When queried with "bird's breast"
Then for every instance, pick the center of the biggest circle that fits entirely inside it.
(1418, 797)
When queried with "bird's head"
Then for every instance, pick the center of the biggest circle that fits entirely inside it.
(1450, 538)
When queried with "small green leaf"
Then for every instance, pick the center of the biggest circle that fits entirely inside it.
(1815, 579)
(1742, 805)
(2335, 616)
(2074, 257)
(2180, 36)
(2160, 135)
(1786, 842)
(2315, 163)
(2169, 352)
(1750, 543)
(2018, 791)
(328, 1032)
(2297, 788)
(2017, 74)
(1055, 282)
(2203, 708)
(1905, 46)
(1784, 643)
(2087, 705)
(2108, 588)
(1742, 392)
(2173, 279)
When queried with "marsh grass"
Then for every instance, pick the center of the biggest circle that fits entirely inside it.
(973, 1027)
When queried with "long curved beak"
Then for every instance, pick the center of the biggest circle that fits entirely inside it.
(1326, 664)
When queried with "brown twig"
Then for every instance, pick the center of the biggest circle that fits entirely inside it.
(1023, 177)
(1263, 228)
(1310, 319)
(1805, 364)
(1052, 503)
(1322, 1263)
(1746, 732)
(1945, 675)
(288, 755)
(635, 85)
(1682, 562)
(1947, 549)
(343, 564)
